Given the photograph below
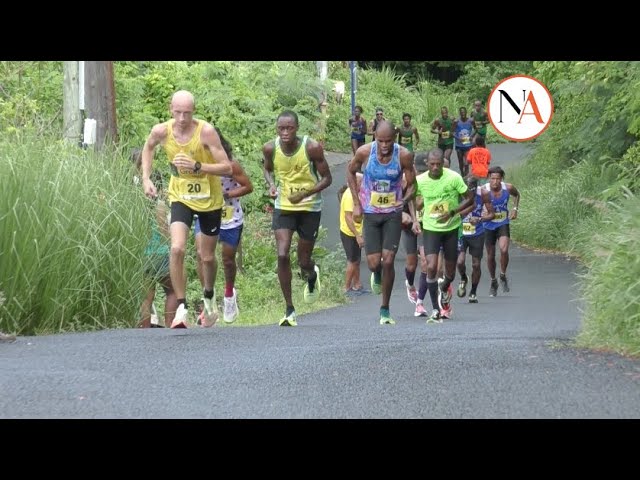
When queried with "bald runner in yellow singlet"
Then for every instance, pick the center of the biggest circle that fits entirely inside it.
(197, 161)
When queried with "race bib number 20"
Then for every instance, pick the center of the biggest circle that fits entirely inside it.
(194, 188)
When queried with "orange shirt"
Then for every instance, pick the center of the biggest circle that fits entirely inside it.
(479, 159)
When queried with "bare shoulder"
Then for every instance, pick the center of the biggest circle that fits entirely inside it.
(269, 147)
(363, 151)
(159, 131)
(208, 132)
(314, 149)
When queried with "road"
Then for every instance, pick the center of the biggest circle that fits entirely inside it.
(506, 357)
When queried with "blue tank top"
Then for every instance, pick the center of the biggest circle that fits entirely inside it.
(463, 133)
(381, 190)
(469, 230)
(501, 207)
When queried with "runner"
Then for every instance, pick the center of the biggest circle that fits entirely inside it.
(441, 189)
(296, 171)
(473, 238)
(380, 202)
(498, 229)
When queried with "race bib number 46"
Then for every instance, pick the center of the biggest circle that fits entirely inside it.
(382, 200)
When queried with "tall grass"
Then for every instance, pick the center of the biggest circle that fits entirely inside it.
(557, 204)
(73, 231)
(611, 286)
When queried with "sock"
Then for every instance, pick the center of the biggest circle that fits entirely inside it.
(503, 275)
(290, 310)
(473, 288)
(432, 285)
(312, 280)
(208, 294)
(183, 301)
(384, 311)
(423, 286)
(411, 276)
(464, 277)
(228, 290)
(446, 283)
(377, 275)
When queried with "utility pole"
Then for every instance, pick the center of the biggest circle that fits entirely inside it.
(72, 121)
(322, 73)
(354, 86)
(100, 101)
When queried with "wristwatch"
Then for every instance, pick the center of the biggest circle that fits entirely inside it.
(196, 167)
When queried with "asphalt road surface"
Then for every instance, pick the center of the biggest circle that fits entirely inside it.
(505, 357)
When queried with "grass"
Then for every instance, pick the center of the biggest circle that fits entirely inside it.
(611, 286)
(74, 229)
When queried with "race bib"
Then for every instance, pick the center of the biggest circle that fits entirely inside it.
(445, 134)
(405, 140)
(382, 200)
(419, 215)
(291, 189)
(226, 216)
(194, 188)
(468, 229)
(465, 140)
(478, 124)
(438, 209)
(500, 216)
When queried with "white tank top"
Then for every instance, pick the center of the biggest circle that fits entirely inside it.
(232, 216)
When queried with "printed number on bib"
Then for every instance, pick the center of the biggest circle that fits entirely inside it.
(226, 215)
(500, 216)
(438, 209)
(296, 189)
(382, 199)
(445, 135)
(194, 188)
(465, 140)
(468, 229)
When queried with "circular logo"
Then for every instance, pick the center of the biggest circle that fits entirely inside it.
(520, 108)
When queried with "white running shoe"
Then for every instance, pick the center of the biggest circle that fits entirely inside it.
(180, 320)
(230, 308)
(412, 293)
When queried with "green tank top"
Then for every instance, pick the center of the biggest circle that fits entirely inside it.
(446, 137)
(406, 138)
(478, 118)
